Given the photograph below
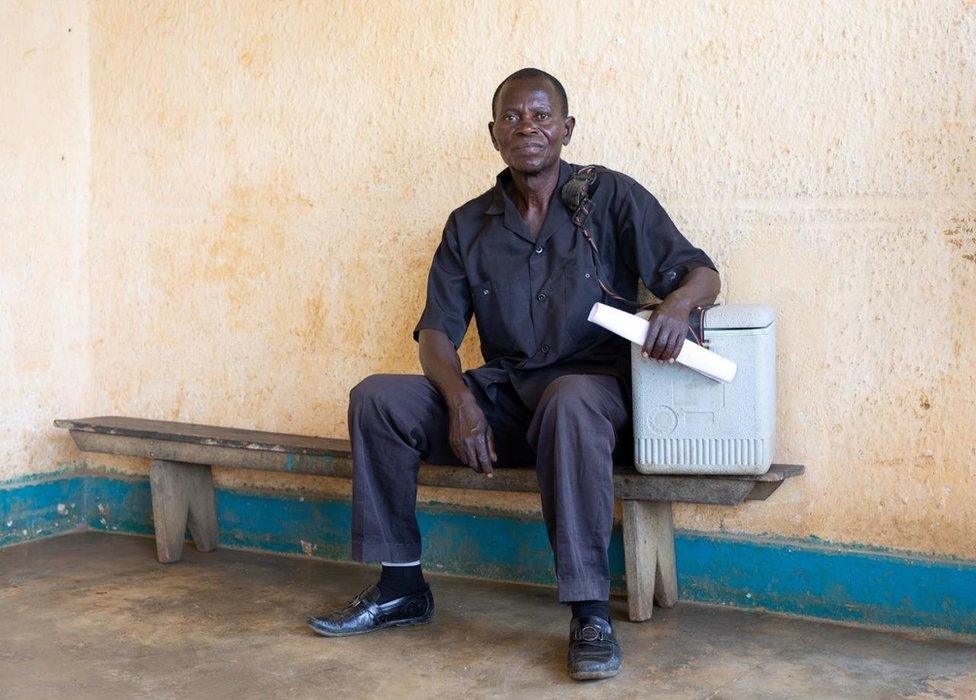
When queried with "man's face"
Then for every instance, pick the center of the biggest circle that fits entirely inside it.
(529, 130)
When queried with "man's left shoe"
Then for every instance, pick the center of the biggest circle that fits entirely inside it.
(593, 649)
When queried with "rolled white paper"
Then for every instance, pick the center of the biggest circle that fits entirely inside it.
(634, 329)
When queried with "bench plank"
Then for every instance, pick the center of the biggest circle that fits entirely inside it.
(213, 435)
(299, 454)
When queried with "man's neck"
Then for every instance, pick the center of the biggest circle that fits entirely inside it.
(533, 190)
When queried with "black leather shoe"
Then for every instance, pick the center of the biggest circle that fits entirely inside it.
(593, 649)
(364, 614)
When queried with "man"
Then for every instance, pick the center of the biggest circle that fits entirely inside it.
(555, 389)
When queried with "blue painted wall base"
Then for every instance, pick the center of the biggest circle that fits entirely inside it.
(34, 508)
(851, 584)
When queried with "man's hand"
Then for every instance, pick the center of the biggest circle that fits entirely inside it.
(470, 435)
(669, 322)
(667, 330)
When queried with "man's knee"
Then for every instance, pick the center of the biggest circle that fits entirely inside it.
(376, 391)
(570, 392)
(581, 402)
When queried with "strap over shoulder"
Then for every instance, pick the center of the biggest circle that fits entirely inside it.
(577, 190)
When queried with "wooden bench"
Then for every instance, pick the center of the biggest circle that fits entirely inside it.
(182, 488)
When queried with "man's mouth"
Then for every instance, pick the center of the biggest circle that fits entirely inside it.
(530, 147)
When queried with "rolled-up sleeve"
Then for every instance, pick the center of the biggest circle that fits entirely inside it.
(448, 306)
(653, 246)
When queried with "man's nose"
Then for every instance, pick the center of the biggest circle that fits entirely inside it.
(526, 128)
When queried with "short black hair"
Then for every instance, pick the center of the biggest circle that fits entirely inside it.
(532, 74)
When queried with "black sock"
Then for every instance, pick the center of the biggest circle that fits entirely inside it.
(596, 608)
(398, 581)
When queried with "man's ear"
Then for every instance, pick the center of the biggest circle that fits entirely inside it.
(569, 124)
(491, 132)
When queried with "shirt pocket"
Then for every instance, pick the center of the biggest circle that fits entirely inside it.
(491, 300)
(580, 291)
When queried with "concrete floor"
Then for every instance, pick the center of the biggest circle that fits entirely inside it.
(95, 616)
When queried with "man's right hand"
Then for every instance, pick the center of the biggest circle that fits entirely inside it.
(470, 435)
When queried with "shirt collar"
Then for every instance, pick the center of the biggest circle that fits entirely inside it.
(500, 197)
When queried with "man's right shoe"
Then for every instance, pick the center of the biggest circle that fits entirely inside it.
(364, 614)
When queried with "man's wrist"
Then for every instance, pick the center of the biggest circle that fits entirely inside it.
(680, 303)
(458, 397)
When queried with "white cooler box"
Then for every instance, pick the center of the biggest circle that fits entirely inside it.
(685, 423)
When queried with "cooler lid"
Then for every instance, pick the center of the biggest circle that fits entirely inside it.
(727, 317)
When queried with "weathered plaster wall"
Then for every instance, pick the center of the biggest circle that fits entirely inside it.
(270, 180)
(45, 162)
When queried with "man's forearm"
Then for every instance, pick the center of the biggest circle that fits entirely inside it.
(442, 366)
(699, 287)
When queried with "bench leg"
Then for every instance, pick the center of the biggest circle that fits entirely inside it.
(649, 557)
(182, 494)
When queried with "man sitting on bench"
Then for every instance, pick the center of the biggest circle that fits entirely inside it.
(555, 388)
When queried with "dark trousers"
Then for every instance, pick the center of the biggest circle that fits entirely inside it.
(397, 420)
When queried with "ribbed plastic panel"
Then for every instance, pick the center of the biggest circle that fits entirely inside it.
(703, 453)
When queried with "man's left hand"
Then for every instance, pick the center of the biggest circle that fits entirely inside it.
(667, 330)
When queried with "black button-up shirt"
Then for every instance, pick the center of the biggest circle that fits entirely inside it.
(530, 296)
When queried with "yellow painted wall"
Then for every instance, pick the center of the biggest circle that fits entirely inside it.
(45, 163)
(269, 180)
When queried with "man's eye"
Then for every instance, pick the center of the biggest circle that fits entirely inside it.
(543, 115)
(509, 117)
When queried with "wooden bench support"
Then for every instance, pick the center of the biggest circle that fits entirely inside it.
(649, 557)
(182, 494)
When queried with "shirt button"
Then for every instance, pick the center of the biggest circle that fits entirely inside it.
(587, 275)
(544, 348)
(484, 291)
(542, 296)
(538, 250)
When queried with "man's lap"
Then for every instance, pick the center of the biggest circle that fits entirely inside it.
(414, 395)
